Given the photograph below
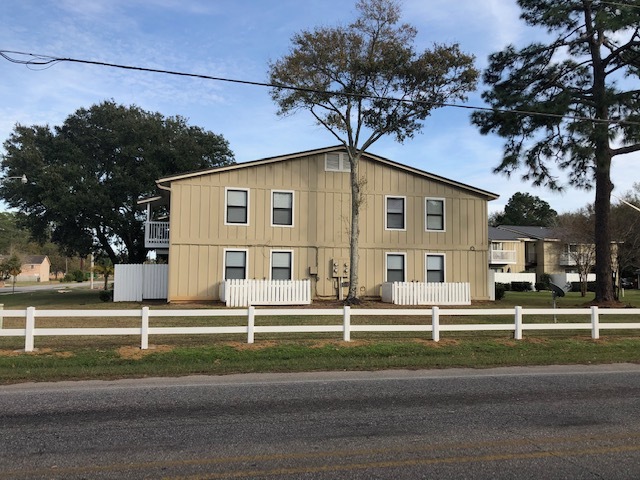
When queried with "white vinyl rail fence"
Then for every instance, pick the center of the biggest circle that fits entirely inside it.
(242, 293)
(426, 293)
(428, 321)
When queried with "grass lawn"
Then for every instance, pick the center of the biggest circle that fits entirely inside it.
(59, 358)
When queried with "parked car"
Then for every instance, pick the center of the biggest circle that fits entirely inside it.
(626, 283)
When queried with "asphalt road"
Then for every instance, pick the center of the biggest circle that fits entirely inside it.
(524, 423)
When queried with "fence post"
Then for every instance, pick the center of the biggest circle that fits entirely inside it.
(595, 323)
(251, 323)
(346, 323)
(30, 325)
(144, 330)
(1, 315)
(435, 324)
(518, 328)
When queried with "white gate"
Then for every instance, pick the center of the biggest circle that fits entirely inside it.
(137, 282)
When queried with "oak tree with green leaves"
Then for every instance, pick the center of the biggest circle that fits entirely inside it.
(570, 102)
(364, 81)
(526, 210)
(86, 175)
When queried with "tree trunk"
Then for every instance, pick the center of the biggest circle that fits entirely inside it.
(104, 242)
(604, 273)
(354, 234)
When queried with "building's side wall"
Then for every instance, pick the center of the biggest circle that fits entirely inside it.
(550, 263)
(321, 226)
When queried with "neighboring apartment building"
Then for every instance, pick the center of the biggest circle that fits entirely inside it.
(288, 217)
(518, 249)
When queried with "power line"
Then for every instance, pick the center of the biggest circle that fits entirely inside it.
(48, 61)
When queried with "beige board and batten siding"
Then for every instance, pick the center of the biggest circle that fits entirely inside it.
(321, 223)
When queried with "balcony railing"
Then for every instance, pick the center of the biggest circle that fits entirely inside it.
(567, 260)
(503, 256)
(156, 235)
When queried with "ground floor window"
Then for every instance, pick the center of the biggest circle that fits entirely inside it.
(281, 265)
(396, 267)
(235, 264)
(435, 268)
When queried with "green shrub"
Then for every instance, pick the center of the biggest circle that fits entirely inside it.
(500, 290)
(591, 286)
(521, 286)
(78, 276)
(106, 295)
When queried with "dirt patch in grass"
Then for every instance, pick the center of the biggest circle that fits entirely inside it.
(39, 351)
(338, 343)
(136, 353)
(252, 346)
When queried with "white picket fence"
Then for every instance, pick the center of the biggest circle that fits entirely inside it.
(421, 293)
(137, 282)
(242, 293)
(428, 321)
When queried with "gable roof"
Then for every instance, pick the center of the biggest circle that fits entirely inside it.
(501, 234)
(35, 259)
(536, 233)
(164, 183)
(28, 259)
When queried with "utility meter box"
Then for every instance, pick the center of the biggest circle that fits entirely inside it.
(340, 267)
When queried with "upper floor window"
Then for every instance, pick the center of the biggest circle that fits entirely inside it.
(281, 265)
(337, 162)
(396, 267)
(395, 217)
(237, 206)
(434, 214)
(235, 264)
(435, 268)
(282, 209)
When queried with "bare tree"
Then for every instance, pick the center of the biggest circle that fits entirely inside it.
(577, 242)
(364, 81)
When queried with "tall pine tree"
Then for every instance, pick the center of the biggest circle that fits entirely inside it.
(577, 100)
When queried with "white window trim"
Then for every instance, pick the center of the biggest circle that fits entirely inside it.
(386, 264)
(444, 214)
(444, 264)
(404, 213)
(345, 166)
(226, 190)
(280, 250)
(224, 260)
(293, 208)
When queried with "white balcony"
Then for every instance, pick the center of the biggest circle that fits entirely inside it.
(503, 256)
(567, 260)
(156, 235)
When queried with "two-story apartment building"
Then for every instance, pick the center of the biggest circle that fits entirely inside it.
(288, 217)
(516, 248)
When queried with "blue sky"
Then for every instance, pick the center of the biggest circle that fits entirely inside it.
(237, 39)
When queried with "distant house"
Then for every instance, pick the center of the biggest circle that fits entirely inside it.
(35, 268)
(288, 217)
